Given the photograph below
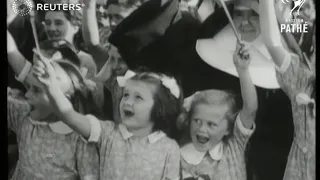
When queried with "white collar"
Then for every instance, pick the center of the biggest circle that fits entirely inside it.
(152, 138)
(192, 156)
(58, 127)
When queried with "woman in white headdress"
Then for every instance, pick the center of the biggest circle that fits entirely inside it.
(217, 51)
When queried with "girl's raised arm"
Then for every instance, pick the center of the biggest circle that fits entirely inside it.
(248, 90)
(65, 111)
(20, 65)
(271, 34)
(15, 58)
(45, 73)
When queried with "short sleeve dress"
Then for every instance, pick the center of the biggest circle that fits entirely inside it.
(48, 151)
(225, 163)
(122, 156)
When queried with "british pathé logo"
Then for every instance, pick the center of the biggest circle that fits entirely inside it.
(297, 5)
(294, 24)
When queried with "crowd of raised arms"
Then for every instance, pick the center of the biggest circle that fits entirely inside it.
(132, 90)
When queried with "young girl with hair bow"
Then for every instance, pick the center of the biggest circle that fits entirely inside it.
(217, 130)
(48, 148)
(139, 146)
(297, 80)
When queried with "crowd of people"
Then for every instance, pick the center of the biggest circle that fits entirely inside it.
(161, 89)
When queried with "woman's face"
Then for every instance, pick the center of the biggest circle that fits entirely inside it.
(247, 23)
(208, 126)
(58, 27)
(101, 12)
(136, 104)
(117, 13)
(41, 107)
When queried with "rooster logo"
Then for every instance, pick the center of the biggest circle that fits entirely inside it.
(297, 5)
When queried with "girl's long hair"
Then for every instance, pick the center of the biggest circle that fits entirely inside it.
(82, 98)
(167, 107)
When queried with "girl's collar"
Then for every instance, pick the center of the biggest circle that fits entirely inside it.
(192, 156)
(152, 138)
(58, 127)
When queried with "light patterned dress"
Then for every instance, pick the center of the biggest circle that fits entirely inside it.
(293, 79)
(224, 162)
(45, 150)
(124, 157)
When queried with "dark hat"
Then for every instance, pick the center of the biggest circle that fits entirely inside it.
(149, 22)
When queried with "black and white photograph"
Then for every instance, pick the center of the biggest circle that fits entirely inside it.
(161, 89)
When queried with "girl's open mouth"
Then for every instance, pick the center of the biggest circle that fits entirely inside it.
(128, 113)
(202, 139)
(53, 35)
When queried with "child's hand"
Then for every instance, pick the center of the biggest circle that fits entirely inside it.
(45, 73)
(241, 57)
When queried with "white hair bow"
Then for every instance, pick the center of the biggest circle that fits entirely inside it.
(172, 85)
(123, 79)
(169, 83)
